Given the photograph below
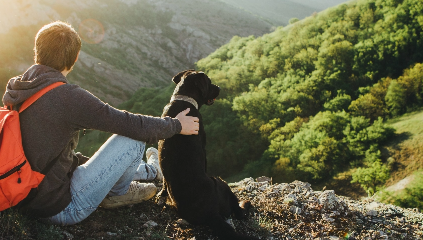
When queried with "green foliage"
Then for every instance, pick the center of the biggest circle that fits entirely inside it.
(228, 142)
(390, 97)
(368, 106)
(373, 175)
(344, 61)
(339, 103)
(406, 92)
(149, 101)
(410, 197)
(413, 197)
(308, 101)
(326, 145)
(300, 67)
(371, 178)
(395, 98)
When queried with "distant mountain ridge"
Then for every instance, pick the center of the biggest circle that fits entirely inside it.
(320, 4)
(127, 44)
(279, 12)
(130, 44)
(139, 43)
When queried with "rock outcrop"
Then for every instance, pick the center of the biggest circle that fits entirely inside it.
(295, 211)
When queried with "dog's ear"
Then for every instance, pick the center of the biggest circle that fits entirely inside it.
(177, 78)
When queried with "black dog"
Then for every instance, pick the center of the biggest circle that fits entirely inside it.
(198, 198)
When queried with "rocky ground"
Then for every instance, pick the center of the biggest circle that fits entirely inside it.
(280, 211)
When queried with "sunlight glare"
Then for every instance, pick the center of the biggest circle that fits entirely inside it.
(91, 31)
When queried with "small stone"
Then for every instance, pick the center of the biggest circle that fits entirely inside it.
(372, 206)
(372, 213)
(327, 218)
(150, 224)
(68, 235)
(329, 200)
(264, 179)
(262, 188)
(332, 238)
(230, 222)
(295, 210)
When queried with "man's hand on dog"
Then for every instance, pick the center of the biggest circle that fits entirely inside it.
(189, 124)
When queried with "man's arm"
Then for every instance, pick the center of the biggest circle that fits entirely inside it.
(84, 110)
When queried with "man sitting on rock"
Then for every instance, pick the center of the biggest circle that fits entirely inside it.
(50, 127)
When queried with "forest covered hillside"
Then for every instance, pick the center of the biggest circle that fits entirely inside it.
(310, 102)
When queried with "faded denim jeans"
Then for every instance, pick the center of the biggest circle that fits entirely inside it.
(108, 172)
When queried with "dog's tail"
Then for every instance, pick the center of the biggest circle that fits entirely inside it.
(224, 230)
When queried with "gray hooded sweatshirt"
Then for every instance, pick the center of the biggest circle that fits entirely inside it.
(50, 129)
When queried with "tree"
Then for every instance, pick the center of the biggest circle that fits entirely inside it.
(396, 98)
(339, 103)
(371, 178)
(368, 106)
(321, 162)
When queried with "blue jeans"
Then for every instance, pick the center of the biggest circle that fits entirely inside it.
(108, 172)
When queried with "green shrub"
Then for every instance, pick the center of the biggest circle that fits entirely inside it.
(371, 178)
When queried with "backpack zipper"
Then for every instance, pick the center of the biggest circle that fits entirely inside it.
(15, 169)
(19, 176)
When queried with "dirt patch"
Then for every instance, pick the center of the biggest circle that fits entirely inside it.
(401, 184)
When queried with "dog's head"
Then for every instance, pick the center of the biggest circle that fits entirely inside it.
(196, 85)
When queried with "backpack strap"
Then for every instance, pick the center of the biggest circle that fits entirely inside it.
(36, 96)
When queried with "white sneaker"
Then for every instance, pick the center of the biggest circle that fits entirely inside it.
(137, 192)
(152, 155)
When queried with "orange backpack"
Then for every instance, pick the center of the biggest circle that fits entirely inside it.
(16, 176)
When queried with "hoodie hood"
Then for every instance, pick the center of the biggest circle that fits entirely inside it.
(22, 87)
